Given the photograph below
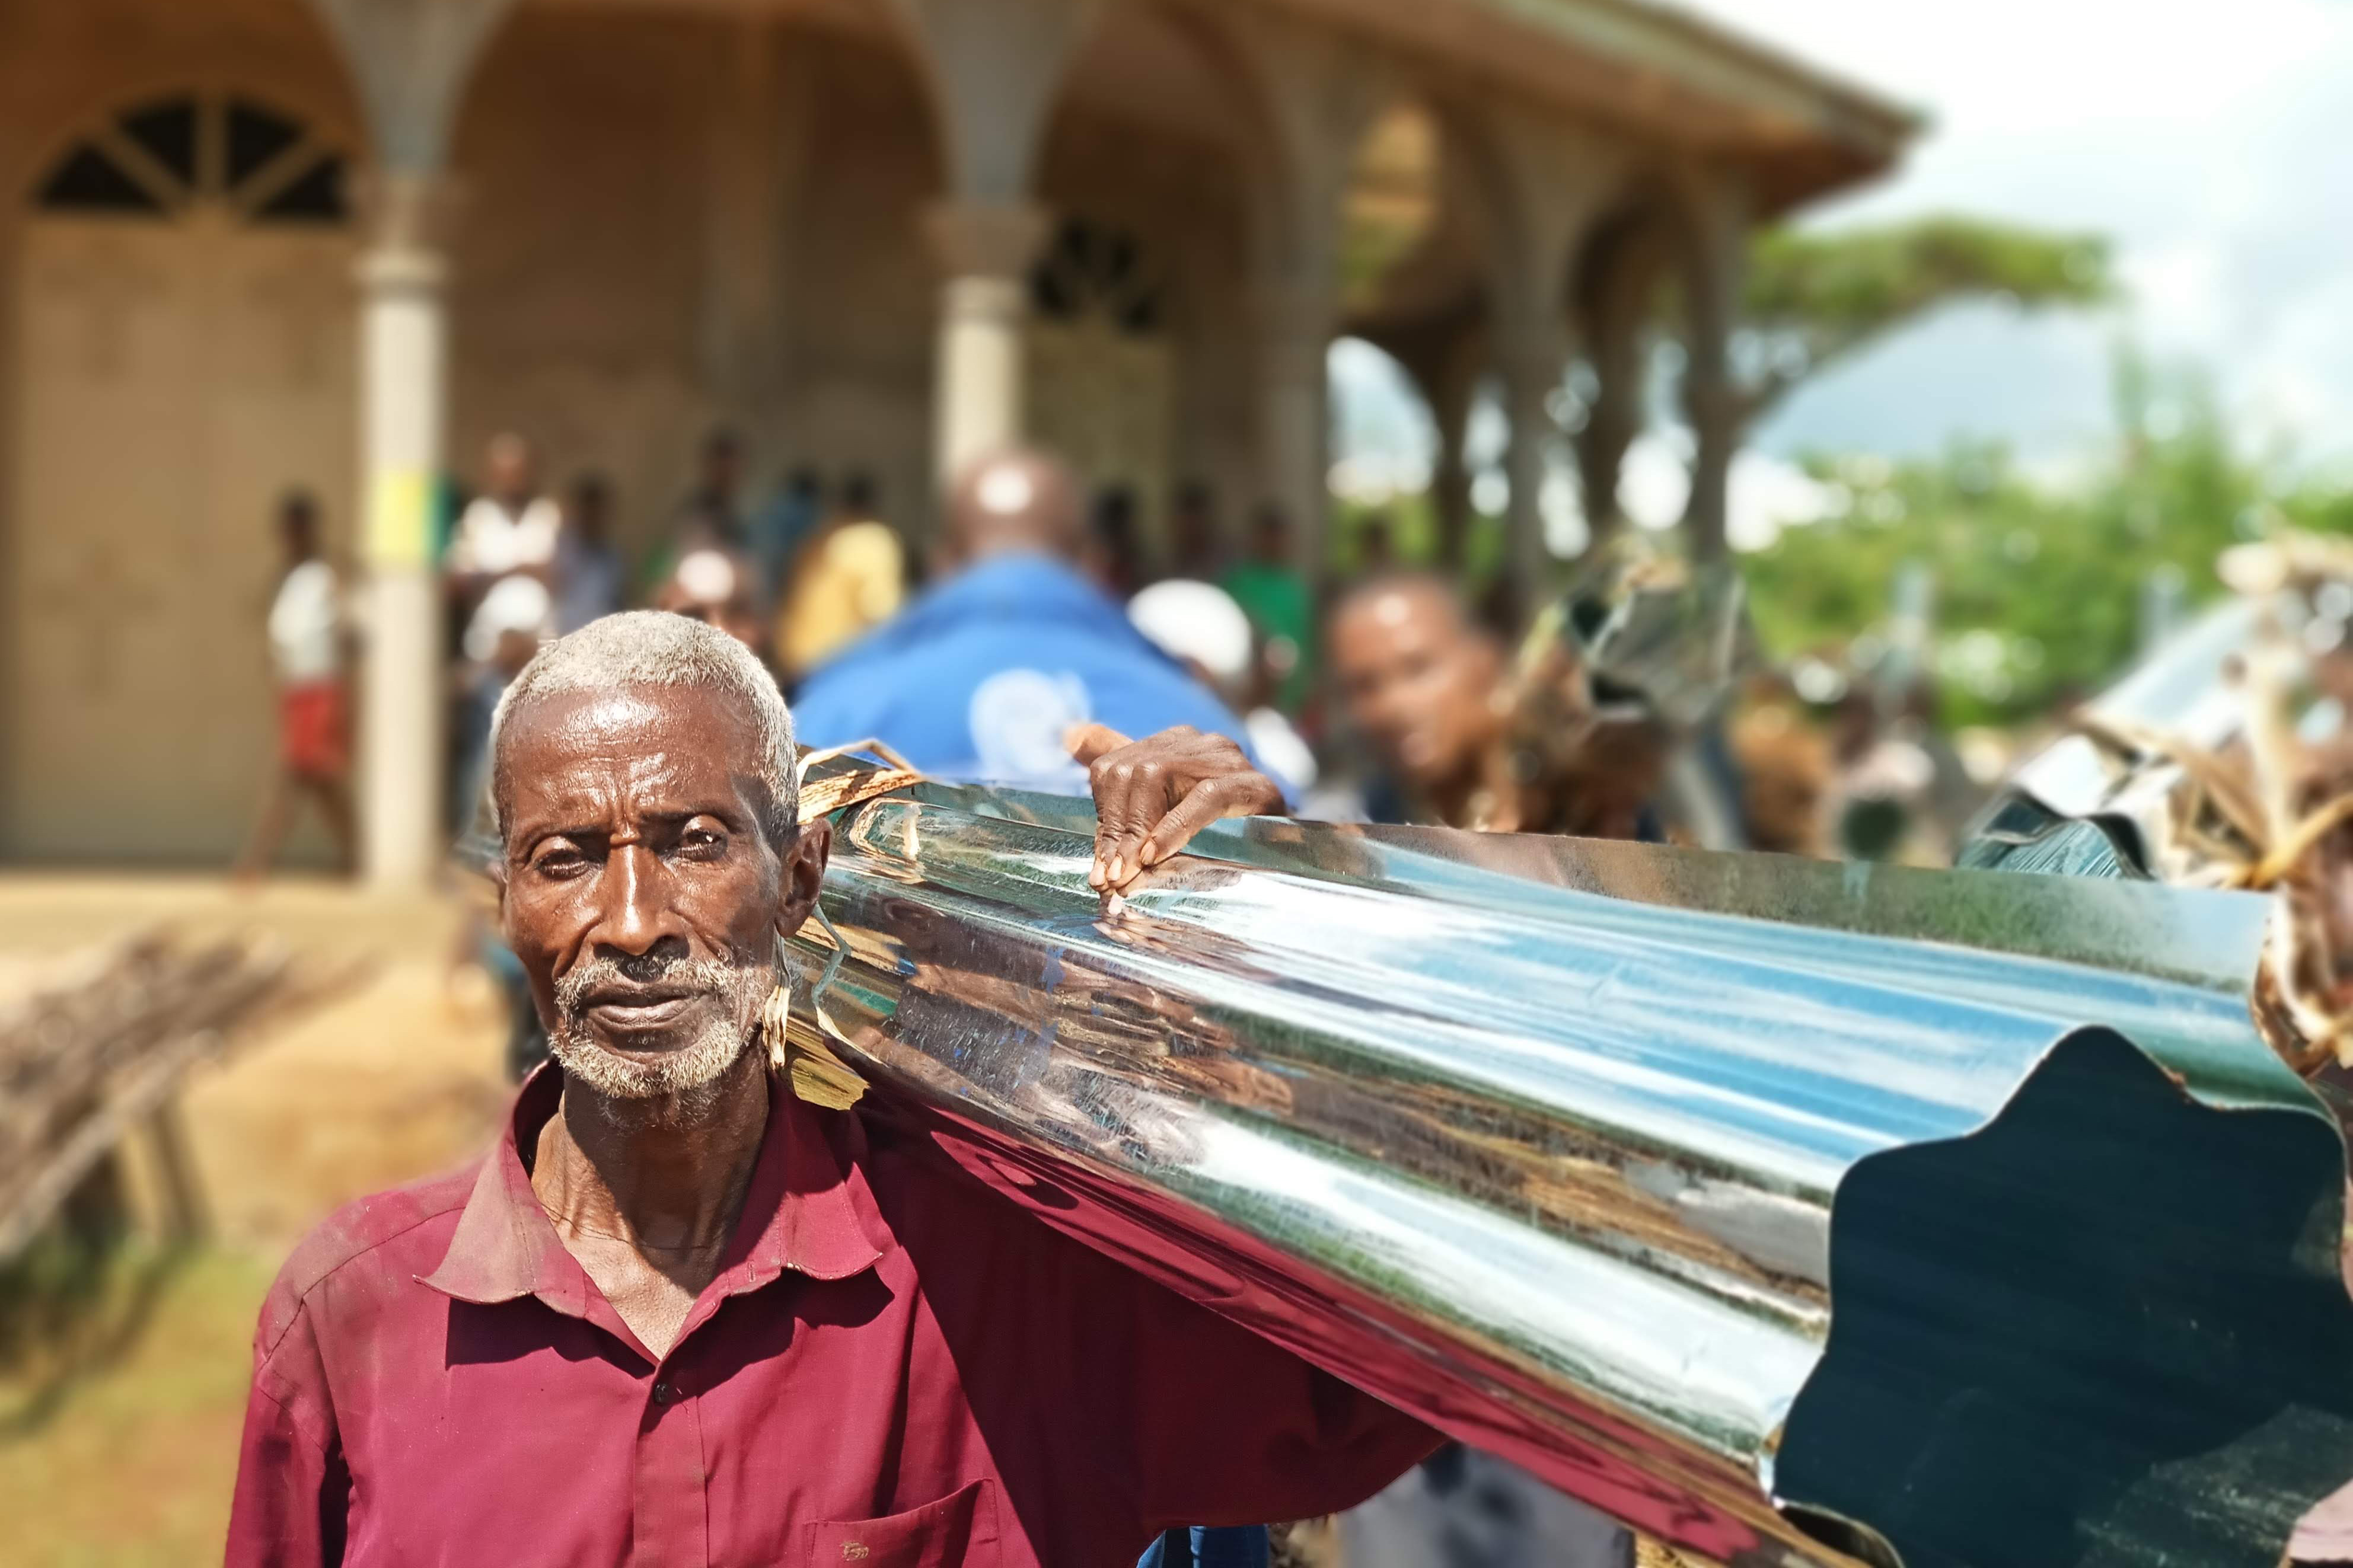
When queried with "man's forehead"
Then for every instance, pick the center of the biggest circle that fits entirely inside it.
(1420, 611)
(682, 726)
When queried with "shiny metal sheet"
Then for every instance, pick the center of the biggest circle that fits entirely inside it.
(1793, 1213)
(2183, 690)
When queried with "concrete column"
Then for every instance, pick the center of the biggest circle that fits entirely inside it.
(1320, 92)
(1715, 268)
(1611, 302)
(1447, 365)
(996, 70)
(410, 60)
(1713, 408)
(1295, 436)
(984, 249)
(1449, 494)
(1547, 186)
(1531, 372)
(1612, 423)
(404, 403)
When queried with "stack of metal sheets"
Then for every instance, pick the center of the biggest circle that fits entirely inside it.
(1793, 1213)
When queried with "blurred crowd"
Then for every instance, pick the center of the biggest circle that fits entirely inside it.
(1632, 706)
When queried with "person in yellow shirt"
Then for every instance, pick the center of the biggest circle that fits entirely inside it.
(849, 577)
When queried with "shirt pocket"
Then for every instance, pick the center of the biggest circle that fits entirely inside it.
(957, 1531)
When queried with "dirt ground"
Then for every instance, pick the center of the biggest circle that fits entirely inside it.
(122, 1452)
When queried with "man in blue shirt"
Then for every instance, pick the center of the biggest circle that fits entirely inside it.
(985, 675)
(982, 677)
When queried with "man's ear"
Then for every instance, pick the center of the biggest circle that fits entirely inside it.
(804, 861)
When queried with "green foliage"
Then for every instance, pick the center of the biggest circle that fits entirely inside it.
(1412, 523)
(2039, 588)
(1813, 297)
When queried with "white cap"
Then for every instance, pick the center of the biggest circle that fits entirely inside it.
(706, 576)
(1198, 622)
(516, 604)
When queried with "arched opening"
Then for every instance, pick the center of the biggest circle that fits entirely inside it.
(1401, 378)
(1427, 230)
(184, 360)
(1386, 446)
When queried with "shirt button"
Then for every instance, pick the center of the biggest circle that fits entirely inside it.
(665, 1394)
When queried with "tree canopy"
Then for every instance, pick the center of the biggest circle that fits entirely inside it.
(2042, 590)
(1813, 297)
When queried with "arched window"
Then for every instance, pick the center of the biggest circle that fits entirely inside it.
(159, 158)
(1095, 270)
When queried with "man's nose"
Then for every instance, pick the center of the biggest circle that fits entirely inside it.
(1391, 710)
(637, 913)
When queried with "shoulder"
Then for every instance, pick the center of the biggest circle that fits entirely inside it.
(971, 1217)
(311, 577)
(539, 527)
(401, 1231)
(866, 680)
(868, 542)
(840, 692)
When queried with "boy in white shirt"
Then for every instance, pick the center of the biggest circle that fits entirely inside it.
(306, 653)
(510, 529)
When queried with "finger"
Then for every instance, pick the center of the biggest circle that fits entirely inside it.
(1090, 743)
(1144, 797)
(1248, 793)
(1148, 787)
(1114, 780)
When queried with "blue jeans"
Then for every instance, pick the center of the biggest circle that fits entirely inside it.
(1208, 1546)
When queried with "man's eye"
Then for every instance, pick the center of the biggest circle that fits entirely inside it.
(701, 841)
(558, 860)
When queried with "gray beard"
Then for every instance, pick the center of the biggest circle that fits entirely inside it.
(681, 1085)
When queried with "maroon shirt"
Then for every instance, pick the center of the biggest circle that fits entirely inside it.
(894, 1366)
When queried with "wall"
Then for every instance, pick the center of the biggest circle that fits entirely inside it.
(862, 319)
(66, 65)
(576, 252)
(1182, 198)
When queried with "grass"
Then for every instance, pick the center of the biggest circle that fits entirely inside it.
(119, 1427)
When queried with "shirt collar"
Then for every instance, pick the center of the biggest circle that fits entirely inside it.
(806, 1210)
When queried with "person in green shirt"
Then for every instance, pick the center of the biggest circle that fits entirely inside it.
(1281, 603)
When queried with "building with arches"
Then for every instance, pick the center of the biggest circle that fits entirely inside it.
(251, 244)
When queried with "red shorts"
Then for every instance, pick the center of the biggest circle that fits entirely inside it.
(313, 736)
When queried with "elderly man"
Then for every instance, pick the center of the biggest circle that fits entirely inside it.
(681, 1316)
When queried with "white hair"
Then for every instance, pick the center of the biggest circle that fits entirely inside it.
(655, 648)
(678, 1083)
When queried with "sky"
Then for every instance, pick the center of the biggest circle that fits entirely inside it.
(2212, 143)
